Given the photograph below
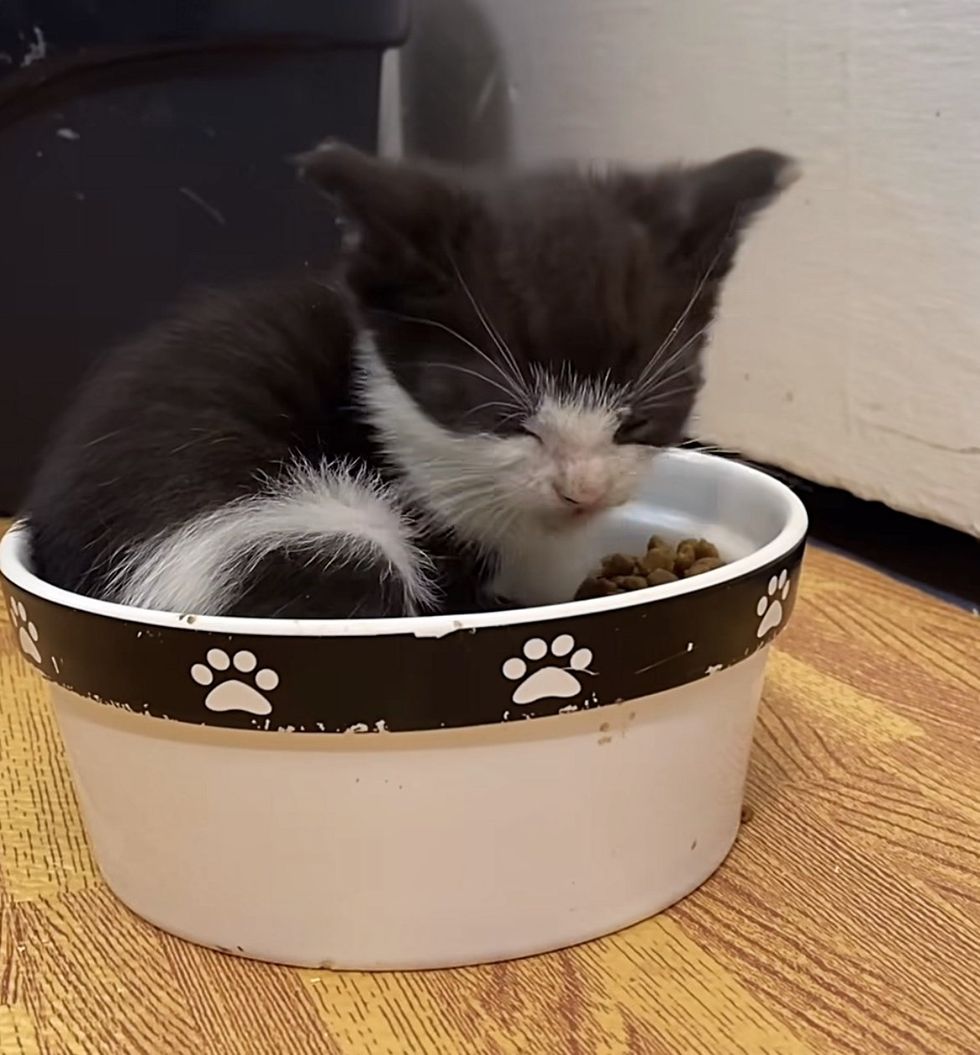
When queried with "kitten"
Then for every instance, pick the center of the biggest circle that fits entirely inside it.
(492, 363)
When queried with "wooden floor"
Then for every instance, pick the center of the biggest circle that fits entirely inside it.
(847, 919)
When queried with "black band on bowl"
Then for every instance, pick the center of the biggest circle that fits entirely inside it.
(401, 682)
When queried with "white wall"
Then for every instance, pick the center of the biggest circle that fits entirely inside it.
(849, 345)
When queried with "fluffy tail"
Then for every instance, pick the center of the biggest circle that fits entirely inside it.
(326, 541)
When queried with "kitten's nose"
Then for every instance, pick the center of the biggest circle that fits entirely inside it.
(583, 497)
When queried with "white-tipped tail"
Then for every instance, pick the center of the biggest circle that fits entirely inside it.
(336, 512)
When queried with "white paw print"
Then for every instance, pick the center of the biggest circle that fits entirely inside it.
(232, 693)
(770, 606)
(26, 630)
(551, 680)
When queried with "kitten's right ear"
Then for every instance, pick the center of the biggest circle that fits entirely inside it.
(399, 212)
(700, 212)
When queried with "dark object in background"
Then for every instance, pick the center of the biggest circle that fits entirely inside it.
(142, 151)
(931, 556)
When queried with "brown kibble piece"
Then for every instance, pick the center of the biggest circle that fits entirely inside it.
(703, 549)
(659, 576)
(590, 589)
(596, 587)
(747, 813)
(617, 564)
(686, 555)
(703, 564)
(656, 559)
(634, 582)
(656, 542)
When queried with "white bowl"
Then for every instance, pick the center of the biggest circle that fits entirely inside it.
(525, 780)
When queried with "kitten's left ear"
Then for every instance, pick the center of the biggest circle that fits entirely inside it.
(699, 212)
(398, 212)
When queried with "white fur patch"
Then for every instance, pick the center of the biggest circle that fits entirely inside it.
(590, 468)
(459, 480)
(334, 511)
(515, 496)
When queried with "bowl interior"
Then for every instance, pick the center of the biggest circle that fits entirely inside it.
(752, 518)
(684, 494)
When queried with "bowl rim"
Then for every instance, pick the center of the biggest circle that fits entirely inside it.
(13, 568)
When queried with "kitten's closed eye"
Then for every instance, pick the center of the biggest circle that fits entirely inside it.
(523, 430)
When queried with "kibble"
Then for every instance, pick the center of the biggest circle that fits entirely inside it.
(703, 564)
(662, 563)
(617, 564)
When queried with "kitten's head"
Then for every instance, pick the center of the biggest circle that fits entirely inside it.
(536, 337)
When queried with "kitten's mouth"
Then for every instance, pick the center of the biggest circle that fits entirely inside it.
(572, 519)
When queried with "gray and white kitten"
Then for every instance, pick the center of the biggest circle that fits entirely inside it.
(492, 362)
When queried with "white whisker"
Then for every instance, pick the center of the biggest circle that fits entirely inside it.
(664, 383)
(514, 385)
(506, 354)
(646, 382)
(482, 377)
(666, 398)
(489, 405)
(682, 318)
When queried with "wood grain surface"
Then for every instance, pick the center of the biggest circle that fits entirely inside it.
(847, 919)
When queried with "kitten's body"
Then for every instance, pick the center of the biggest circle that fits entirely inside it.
(248, 427)
(489, 367)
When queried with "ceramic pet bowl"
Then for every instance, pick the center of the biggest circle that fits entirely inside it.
(435, 791)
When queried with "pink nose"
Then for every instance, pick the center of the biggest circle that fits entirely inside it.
(584, 497)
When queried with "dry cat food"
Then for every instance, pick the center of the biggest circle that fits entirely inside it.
(661, 563)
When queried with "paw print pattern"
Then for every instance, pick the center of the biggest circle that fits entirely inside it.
(550, 680)
(230, 692)
(26, 631)
(770, 606)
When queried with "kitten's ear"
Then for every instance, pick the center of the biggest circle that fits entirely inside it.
(396, 211)
(699, 212)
